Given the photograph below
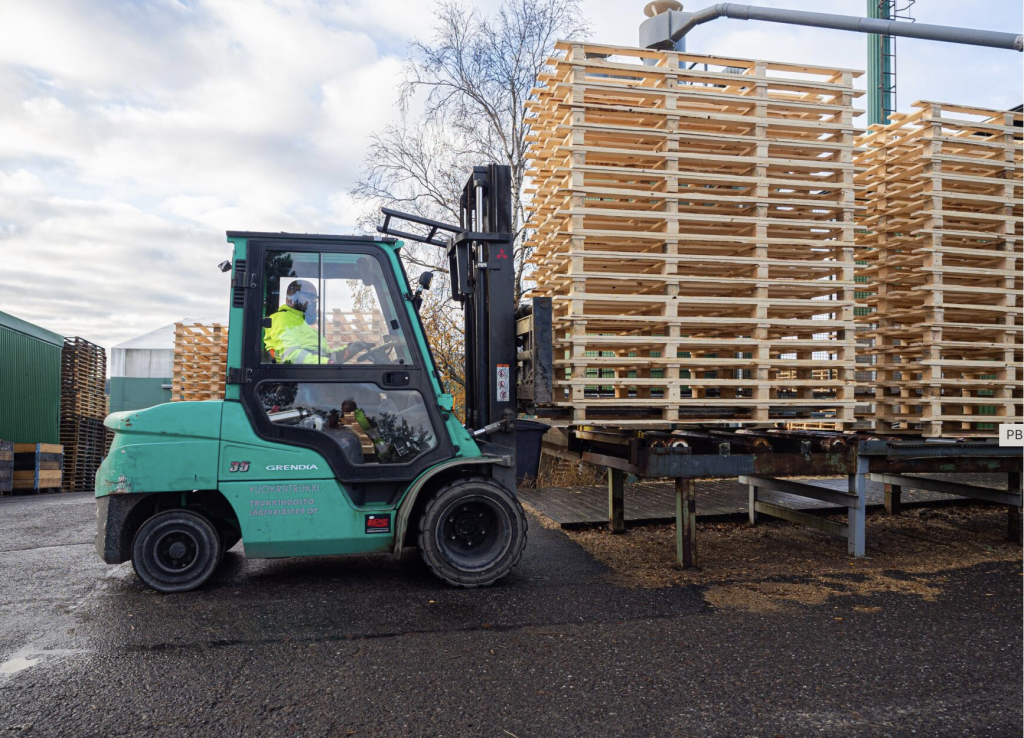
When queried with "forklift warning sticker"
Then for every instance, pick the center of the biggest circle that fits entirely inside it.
(378, 523)
(502, 388)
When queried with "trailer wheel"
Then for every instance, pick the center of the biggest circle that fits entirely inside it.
(176, 551)
(472, 533)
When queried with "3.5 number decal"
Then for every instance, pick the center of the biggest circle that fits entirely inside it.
(239, 466)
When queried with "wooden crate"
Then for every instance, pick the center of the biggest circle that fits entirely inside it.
(941, 255)
(38, 466)
(6, 467)
(693, 222)
(200, 362)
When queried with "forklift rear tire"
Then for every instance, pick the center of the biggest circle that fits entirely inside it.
(229, 540)
(176, 551)
(472, 533)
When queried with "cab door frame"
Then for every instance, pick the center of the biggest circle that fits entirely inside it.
(395, 477)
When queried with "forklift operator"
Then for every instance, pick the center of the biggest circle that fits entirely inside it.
(292, 339)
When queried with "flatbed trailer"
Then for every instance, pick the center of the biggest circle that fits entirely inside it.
(768, 459)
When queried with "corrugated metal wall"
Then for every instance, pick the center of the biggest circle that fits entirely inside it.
(29, 388)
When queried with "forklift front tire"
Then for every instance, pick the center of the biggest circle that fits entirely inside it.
(472, 533)
(176, 551)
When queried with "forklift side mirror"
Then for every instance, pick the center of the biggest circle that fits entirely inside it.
(425, 279)
(224, 266)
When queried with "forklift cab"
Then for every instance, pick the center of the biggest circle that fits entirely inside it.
(345, 376)
(335, 435)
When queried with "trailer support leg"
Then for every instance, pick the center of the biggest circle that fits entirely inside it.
(857, 485)
(893, 499)
(1013, 512)
(752, 503)
(686, 523)
(616, 501)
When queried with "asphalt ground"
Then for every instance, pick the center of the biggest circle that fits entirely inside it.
(371, 646)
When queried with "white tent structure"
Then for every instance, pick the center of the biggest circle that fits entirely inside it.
(141, 369)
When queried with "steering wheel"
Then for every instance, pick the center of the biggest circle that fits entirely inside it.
(375, 354)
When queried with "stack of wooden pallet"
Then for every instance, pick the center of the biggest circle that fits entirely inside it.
(693, 222)
(345, 327)
(38, 467)
(200, 361)
(6, 467)
(941, 260)
(83, 406)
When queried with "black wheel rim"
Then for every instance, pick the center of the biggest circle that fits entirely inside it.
(176, 551)
(473, 532)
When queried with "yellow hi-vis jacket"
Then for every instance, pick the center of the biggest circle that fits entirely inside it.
(290, 340)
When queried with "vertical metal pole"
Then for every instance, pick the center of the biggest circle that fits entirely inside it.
(879, 57)
(857, 485)
(893, 499)
(1014, 517)
(616, 501)
(751, 503)
(686, 523)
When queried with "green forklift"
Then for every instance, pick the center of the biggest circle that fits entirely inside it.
(335, 434)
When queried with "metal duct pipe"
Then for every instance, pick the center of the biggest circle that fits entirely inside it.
(663, 30)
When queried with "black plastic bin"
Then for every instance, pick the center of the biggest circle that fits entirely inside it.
(529, 436)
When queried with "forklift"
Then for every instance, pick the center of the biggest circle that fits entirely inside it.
(349, 443)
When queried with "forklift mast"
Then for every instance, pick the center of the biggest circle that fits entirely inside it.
(489, 301)
(482, 275)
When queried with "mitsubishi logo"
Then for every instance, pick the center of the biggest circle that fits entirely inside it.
(501, 254)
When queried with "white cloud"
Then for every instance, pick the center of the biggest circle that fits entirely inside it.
(21, 183)
(133, 134)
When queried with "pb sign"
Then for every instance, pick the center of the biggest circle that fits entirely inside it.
(1011, 434)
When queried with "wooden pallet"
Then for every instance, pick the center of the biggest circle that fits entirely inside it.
(87, 443)
(200, 362)
(693, 222)
(83, 405)
(83, 379)
(345, 327)
(6, 467)
(38, 466)
(941, 257)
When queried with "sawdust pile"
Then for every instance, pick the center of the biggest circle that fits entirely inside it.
(777, 565)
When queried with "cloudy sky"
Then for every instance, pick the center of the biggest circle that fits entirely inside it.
(133, 133)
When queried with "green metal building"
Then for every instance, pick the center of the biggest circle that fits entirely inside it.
(29, 382)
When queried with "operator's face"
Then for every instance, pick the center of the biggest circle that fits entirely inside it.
(306, 302)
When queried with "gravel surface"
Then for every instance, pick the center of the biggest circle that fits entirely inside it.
(371, 646)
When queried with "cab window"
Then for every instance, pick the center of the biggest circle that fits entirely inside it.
(370, 425)
(329, 309)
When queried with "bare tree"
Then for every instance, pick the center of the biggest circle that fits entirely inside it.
(469, 83)
(471, 79)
